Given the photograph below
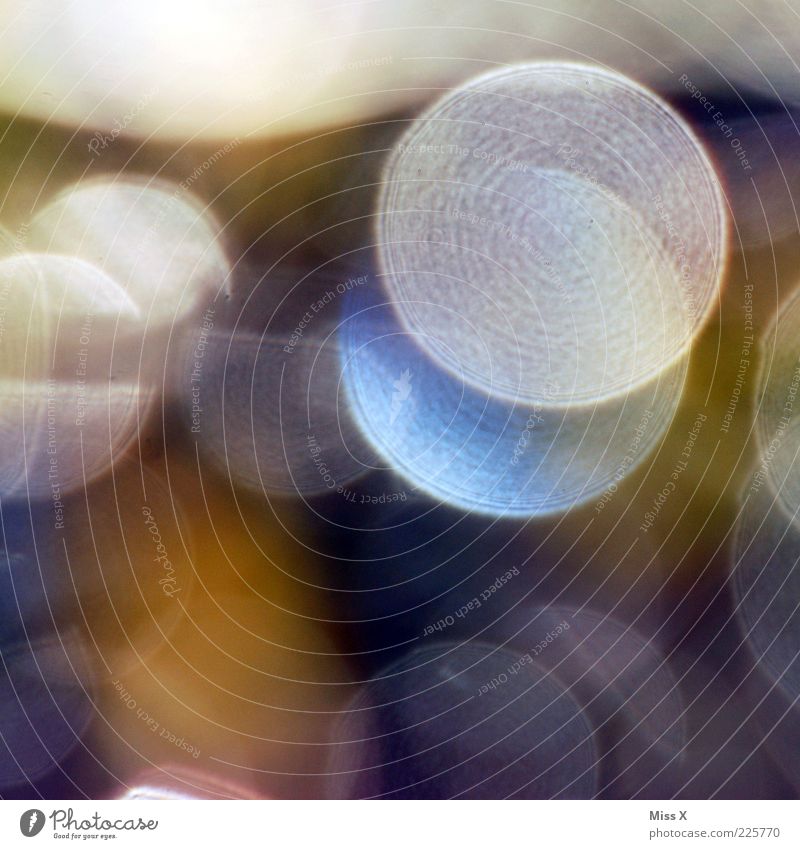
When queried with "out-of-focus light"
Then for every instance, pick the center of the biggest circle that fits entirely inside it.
(6, 242)
(766, 590)
(552, 232)
(751, 45)
(173, 69)
(761, 174)
(115, 558)
(244, 684)
(766, 583)
(266, 411)
(482, 453)
(630, 693)
(778, 420)
(46, 704)
(176, 783)
(151, 237)
(153, 793)
(198, 69)
(68, 367)
(468, 721)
